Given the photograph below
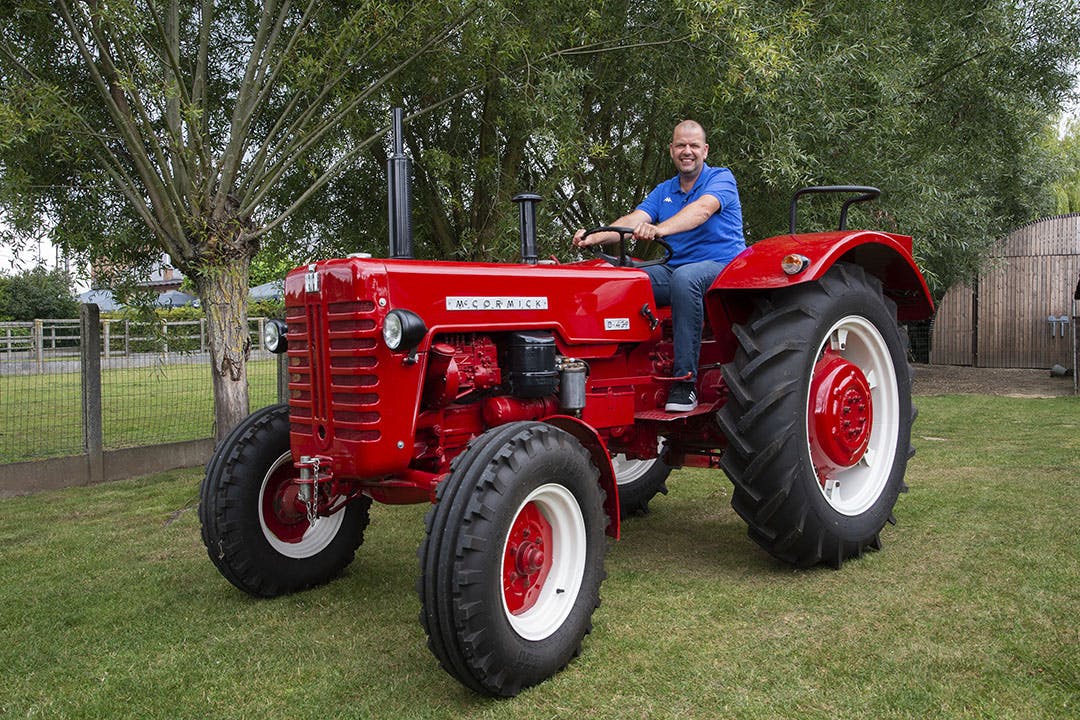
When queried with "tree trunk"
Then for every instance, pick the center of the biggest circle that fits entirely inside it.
(224, 293)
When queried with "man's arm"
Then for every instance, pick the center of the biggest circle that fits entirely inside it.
(688, 218)
(634, 219)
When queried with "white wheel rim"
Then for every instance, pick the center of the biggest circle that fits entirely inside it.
(315, 539)
(853, 490)
(568, 549)
(628, 470)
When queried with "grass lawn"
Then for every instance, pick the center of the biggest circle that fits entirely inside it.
(110, 607)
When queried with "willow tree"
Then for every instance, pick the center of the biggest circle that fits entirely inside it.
(196, 129)
(941, 103)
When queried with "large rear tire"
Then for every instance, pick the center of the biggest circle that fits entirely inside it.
(254, 530)
(513, 558)
(819, 418)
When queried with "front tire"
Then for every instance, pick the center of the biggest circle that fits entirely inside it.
(254, 532)
(512, 560)
(819, 418)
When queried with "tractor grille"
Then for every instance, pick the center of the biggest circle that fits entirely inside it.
(333, 371)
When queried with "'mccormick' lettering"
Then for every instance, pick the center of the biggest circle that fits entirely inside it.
(499, 302)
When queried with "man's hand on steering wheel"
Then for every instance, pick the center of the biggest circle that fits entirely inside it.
(593, 237)
(648, 232)
(587, 238)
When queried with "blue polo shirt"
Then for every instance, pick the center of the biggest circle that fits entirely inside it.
(718, 238)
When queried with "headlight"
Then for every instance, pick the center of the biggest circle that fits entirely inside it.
(403, 330)
(274, 338)
(391, 330)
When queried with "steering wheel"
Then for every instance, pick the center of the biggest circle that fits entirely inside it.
(623, 260)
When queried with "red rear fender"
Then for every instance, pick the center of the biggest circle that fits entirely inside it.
(884, 255)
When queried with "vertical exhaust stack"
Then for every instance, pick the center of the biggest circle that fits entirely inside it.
(527, 203)
(398, 176)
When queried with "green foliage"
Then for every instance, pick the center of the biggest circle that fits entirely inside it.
(37, 293)
(1066, 189)
(941, 104)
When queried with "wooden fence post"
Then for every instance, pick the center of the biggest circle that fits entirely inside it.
(93, 444)
(39, 345)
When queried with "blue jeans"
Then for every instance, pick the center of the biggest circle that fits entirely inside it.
(683, 288)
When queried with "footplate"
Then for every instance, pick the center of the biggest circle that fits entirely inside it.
(662, 415)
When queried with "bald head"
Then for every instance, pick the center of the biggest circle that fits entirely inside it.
(688, 151)
(689, 126)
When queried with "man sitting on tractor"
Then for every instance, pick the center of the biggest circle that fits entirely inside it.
(699, 215)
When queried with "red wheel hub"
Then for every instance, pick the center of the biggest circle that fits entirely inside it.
(841, 414)
(527, 559)
(283, 512)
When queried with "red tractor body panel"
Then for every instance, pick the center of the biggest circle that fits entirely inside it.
(354, 401)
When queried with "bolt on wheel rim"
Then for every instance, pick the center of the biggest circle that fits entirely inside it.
(543, 562)
(853, 372)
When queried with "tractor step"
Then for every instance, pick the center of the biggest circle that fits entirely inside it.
(664, 416)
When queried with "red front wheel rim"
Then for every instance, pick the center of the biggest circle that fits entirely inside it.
(543, 561)
(283, 517)
(527, 560)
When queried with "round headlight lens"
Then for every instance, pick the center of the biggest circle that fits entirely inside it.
(392, 331)
(274, 338)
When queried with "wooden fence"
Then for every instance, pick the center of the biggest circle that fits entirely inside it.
(96, 463)
(40, 341)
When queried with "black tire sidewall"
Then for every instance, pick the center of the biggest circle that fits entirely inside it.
(236, 475)
(634, 495)
(480, 500)
(765, 420)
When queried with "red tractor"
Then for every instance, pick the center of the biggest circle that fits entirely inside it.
(525, 401)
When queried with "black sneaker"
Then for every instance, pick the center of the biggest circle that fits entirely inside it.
(681, 398)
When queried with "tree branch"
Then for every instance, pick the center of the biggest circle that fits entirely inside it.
(168, 222)
(241, 117)
(145, 126)
(310, 137)
(295, 128)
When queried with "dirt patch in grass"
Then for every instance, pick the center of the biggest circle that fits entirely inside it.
(1012, 382)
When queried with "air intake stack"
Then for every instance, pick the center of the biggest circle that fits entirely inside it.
(398, 175)
(527, 203)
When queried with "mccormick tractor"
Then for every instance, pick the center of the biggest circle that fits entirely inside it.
(525, 402)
